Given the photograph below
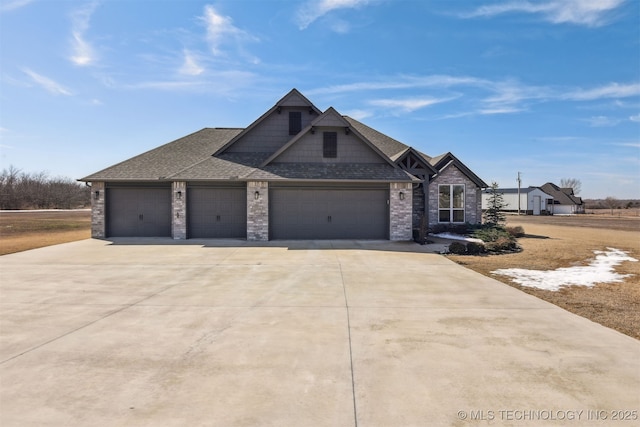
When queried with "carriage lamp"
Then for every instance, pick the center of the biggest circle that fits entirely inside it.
(256, 195)
(97, 194)
(401, 195)
(179, 194)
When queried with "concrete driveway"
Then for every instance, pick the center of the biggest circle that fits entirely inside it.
(158, 333)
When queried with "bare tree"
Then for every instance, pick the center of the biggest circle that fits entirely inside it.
(20, 190)
(572, 183)
(611, 203)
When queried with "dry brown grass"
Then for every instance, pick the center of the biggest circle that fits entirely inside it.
(548, 246)
(21, 231)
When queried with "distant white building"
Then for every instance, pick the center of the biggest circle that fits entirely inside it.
(564, 201)
(533, 201)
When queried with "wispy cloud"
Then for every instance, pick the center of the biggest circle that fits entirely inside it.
(635, 118)
(591, 13)
(82, 52)
(190, 66)
(602, 121)
(13, 5)
(611, 90)
(408, 104)
(46, 83)
(313, 9)
(220, 30)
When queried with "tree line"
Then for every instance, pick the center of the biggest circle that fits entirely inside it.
(22, 190)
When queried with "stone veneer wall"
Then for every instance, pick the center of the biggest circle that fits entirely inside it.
(400, 211)
(98, 226)
(257, 211)
(179, 210)
(472, 195)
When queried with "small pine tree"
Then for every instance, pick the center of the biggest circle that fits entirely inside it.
(494, 214)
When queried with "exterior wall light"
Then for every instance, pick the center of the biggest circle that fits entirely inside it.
(256, 195)
(97, 195)
(401, 195)
(179, 194)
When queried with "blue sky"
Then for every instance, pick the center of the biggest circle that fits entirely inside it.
(548, 88)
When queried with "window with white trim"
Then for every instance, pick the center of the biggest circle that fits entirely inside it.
(451, 203)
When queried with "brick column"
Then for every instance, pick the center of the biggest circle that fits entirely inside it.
(257, 211)
(98, 228)
(400, 211)
(179, 210)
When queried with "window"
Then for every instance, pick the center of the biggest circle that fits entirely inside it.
(295, 122)
(451, 203)
(330, 145)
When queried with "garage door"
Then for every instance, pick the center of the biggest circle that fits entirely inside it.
(217, 212)
(138, 212)
(299, 213)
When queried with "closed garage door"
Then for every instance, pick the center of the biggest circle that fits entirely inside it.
(215, 212)
(139, 212)
(316, 213)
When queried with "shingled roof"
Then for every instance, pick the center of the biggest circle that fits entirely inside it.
(562, 196)
(168, 159)
(201, 156)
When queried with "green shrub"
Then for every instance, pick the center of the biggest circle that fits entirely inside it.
(457, 248)
(516, 231)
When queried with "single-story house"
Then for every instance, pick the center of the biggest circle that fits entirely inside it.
(564, 201)
(294, 173)
(533, 201)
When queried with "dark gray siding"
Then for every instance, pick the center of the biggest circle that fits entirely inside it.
(328, 213)
(217, 212)
(138, 212)
(271, 133)
(309, 149)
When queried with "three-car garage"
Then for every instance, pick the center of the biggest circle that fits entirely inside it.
(220, 211)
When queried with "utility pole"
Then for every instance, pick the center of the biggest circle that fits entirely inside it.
(519, 182)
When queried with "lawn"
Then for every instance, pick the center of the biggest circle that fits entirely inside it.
(24, 230)
(554, 242)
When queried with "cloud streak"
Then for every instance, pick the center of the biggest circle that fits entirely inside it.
(46, 83)
(13, 5)
(190, 66)
(83, 53)
(312, 10)
(590, 13)
(482, 96)
(408, 104)
(220, 30)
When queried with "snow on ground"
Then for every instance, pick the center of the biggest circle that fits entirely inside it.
(601, 270)
(452, 236)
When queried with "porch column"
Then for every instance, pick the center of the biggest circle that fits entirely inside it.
(400, 211)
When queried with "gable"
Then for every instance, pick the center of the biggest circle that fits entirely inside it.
(271, 130)
(415, 164)
(309, 148)
(352, 147)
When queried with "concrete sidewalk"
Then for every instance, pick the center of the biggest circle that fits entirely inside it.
(149, 332)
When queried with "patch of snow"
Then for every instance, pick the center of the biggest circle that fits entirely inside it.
(600, 270)
(452, 236)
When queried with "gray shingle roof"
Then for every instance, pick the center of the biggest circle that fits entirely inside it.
(389, 146)
(331, 171)
(560, 196)
(169, 159)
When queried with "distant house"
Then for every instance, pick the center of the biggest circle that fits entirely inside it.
(295, 173)
(533, 200)
(564, 201)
